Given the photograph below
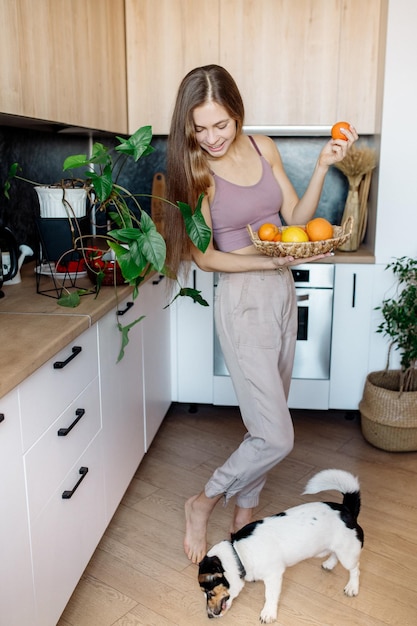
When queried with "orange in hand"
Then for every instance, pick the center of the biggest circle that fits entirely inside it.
(335, 132)
(319, 229)
(267, 232)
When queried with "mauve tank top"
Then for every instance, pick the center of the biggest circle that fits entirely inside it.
(235, 206)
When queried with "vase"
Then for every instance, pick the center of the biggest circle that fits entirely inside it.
(352, 209)
(61, 202)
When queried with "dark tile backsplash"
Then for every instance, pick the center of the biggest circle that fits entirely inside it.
(42, 153)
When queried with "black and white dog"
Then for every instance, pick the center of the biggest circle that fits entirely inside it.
(263, 550)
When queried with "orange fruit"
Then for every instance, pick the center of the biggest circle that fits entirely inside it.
(267, 231)
(335, 132)
(278, 236)
(319, 229)
(294, 234)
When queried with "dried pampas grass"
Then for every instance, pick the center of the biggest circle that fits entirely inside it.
(358, 161)
(357, 166)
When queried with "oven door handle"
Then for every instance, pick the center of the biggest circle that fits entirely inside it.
(302, 298)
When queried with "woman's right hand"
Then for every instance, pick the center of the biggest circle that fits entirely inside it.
(283, 261)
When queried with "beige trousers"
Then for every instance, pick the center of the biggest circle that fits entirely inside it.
(256, 321)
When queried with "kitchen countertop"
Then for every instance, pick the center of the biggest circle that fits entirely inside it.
(34, 327)
(362, 255)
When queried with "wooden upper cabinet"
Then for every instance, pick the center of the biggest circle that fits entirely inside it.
(361, 63)
(165, 40)
(65, 62)
(283, 55)
(296, 62)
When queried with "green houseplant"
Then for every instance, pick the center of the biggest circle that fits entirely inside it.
(389, 404)
(134, 240)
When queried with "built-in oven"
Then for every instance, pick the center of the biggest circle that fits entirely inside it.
(311, 371)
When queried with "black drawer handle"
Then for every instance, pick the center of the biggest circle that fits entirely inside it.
(66, 495)
(1, 417)
(123, 311)
(354, 292)
(63, 432)
(158, 280)
(58, 365)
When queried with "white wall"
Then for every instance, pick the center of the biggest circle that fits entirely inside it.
(396, 222)
(396, 228)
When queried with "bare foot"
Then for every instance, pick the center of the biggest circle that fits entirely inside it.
(197, 513)
(241, 517)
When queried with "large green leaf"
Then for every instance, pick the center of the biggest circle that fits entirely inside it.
(138, 144)
(190, 293)
(146, 245)
(124, 330)
(99, 155)
(195, 224)
(103, 183)
(13, 170)
(72, 300)
(131, 264)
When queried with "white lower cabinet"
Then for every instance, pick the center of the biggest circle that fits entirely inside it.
(71, 438)
(351, 334)
(156, 333)
(63, 463)
(17, 601)
(66, 533)
(121, 400)
(193, 342)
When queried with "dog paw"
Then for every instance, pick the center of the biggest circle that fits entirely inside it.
(351, 589)
(267, 617)
(330, 563)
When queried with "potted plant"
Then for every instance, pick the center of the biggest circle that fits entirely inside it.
(389, 404)
(134, 241)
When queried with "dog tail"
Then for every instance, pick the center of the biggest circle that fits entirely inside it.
(341, 481)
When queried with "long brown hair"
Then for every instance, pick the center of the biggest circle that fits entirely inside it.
(188, 172)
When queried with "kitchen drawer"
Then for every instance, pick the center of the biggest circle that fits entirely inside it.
(52, 456)
(65, 535)
(49, 391)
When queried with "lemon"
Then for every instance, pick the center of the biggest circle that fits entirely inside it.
(294, 234)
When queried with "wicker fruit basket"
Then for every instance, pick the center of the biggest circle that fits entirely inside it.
(302, 250)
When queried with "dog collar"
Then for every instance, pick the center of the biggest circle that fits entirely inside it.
(242, 571)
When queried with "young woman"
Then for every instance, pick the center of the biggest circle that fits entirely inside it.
(244, 182)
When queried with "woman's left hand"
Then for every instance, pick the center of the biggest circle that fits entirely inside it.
(335, 150)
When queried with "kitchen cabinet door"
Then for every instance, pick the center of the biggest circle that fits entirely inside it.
(284, 56)
(65, 64)
(193, 342)
(296, 62)
(156, 329)
(17, 604)
(121, 401)
(351, 335)
(164, 41)
(66, 533)
(360, 74)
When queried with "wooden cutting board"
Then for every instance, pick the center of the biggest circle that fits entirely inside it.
(158, 205)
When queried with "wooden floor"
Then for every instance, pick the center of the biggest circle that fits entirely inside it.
(140, 576)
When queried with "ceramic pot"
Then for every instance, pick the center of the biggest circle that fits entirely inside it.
(59, 202)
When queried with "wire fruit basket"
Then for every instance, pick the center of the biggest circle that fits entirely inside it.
(302, 250)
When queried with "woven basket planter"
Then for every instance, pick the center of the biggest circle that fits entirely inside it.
(388, 418)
